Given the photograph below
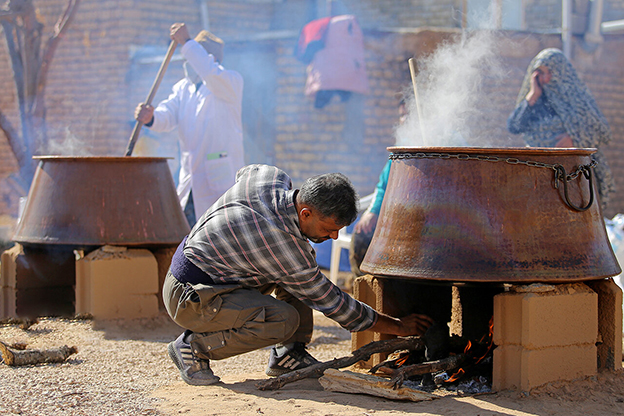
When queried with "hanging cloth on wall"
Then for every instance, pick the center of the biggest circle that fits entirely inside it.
(311, 39)
(339, 67)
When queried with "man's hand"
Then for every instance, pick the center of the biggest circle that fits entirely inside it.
(144, 113)
(179, 33)
(414, 324)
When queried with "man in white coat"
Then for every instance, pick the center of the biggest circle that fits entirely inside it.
(206, 108)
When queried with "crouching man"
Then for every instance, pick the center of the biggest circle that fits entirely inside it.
(246, 276)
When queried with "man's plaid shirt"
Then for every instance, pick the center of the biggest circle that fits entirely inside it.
(251, 236)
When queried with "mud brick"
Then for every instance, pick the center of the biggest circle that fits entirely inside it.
(544, 333)
(567, 315)
(163, 258)
(37, 281)
(26, 267)
(516, 367)
(114, 282)
(398, 297)
(609, 323)
(46, 301)
(364, 292)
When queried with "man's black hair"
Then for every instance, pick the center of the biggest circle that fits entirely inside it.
(333, 195)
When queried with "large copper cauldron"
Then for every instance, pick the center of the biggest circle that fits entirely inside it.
(94, 201)
(490, 215)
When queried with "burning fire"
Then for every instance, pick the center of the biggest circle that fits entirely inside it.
(474, 355)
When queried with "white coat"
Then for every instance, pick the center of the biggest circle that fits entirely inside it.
(209, 124)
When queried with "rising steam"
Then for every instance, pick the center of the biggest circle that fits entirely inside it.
(449, 88)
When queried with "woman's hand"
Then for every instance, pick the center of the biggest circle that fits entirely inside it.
(536, 89)
(366, 224)
(564, 140)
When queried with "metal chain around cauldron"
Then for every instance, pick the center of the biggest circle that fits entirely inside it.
(559, 170)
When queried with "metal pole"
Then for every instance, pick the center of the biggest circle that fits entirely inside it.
(593, 34)
(203, 12)
(566, 27)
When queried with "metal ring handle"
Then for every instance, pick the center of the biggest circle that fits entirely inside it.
(560, 174)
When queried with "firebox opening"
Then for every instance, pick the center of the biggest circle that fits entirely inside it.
(458, 352)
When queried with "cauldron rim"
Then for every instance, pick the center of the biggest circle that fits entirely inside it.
(102, 158)
(498, 150)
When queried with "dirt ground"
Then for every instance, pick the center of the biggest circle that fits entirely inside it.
(122, 368)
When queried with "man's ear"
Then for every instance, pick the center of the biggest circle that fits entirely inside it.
(305, 213)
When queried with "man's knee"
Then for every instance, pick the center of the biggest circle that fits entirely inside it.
(283, 323)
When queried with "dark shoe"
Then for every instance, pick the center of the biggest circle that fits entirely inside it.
(294, 359)
(193, 370)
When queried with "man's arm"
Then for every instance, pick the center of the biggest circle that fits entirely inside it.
(224, 84)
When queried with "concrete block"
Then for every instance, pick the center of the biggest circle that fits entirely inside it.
(516, 367)
(115, 282)
(565, 314)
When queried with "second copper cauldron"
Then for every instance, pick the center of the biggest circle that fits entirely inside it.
(94, 201)
(490, 215)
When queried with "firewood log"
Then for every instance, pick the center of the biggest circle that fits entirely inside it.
(15, 357)
(361, 354)
(403, 373)
(351, 382)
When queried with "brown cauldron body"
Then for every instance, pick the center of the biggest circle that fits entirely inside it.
(94, 201)
(489, 215)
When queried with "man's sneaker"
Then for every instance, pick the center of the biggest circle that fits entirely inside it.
(294, 359)
(193, 370)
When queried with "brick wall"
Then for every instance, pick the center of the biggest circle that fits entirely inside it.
(99, 75)
(402, 13)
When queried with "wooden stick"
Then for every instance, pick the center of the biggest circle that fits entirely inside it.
(161, 73)
(421, 121)
(403, 373)
(361, 354)
(14, 357)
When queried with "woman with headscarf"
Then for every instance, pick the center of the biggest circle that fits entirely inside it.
(555, 109)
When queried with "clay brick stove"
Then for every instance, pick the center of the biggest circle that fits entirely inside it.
(83, 203)
(506, 241)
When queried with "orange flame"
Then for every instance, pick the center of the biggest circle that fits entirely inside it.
(487, 338)
(456, 376)
(399, 362)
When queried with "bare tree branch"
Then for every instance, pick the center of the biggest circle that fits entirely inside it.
(30, 63)
(12, 136)
(48, 53)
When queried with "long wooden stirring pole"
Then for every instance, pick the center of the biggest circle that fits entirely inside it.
(421, 121)
(150, 97)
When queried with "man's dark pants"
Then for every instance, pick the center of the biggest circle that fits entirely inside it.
(229, 320)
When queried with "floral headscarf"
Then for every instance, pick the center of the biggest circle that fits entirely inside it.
(576, 108)
(570, 99)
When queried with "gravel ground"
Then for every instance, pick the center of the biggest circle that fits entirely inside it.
(112, 373)
(118, 365)
(122, 368)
